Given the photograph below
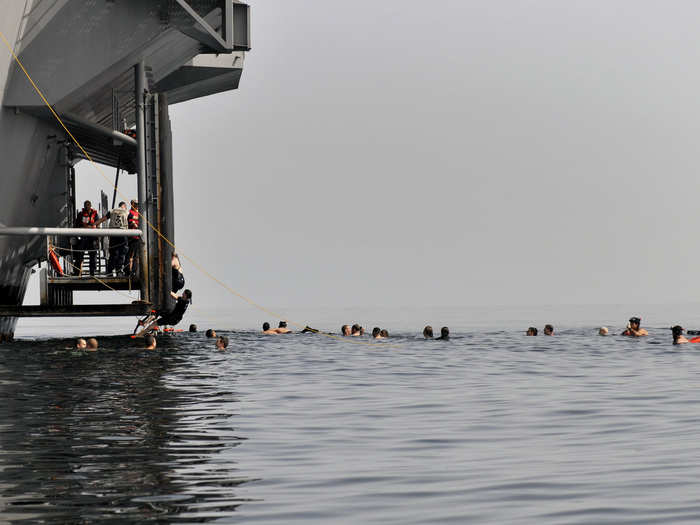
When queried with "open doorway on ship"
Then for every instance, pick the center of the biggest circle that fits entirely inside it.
(96, 183)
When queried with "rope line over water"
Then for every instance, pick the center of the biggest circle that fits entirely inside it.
(199, 267)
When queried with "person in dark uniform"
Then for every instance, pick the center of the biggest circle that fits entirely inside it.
(170, 318)
(178, 278)
(87, 218)
(174, 316)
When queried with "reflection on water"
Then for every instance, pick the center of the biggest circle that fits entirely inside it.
(87, 436)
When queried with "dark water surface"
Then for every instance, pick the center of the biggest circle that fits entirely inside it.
(488, 427)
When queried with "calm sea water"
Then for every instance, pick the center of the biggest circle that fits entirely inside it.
(489, 427)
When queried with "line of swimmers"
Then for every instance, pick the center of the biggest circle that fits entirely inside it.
(633, 329)
(355, 330)
(91, 345)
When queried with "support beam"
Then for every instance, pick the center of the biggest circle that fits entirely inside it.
(140, 100)
(167, 200)
(88, 125)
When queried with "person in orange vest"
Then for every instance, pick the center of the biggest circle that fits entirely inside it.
(87, 218)
(134, 242)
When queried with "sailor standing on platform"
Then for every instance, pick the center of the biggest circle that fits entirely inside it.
(87, 218)
(118, 219)
(134, 242)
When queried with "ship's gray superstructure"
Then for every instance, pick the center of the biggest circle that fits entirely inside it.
(86, 58)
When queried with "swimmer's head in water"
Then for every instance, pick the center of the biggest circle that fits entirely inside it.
(548, 329)
(444, 332)
(150, 341)
(376, 331)
(531, 331)
(222, 342)
(356, 328)
(677, 331)
(193, 328)
(345, 329)
(384, 333)
(283, 324)
(210, 333)
(92, 343)
(428, 332)
(635, 320)
(81, 343)
(266, 326)
(603, 330)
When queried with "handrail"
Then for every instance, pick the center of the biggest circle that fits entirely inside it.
(68, 232)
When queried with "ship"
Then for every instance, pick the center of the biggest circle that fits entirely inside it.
(94, 80)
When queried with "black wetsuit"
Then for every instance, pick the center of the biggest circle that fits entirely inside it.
(175, 315)
(178, 280)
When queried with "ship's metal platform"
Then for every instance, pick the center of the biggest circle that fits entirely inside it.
(83, 310)
(99, 283)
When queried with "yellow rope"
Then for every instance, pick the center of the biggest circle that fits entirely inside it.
(151, 226)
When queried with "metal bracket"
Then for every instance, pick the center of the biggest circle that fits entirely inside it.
(234, 18)
(209, 36)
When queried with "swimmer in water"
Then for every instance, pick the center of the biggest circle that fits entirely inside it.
(222, 342)
(603, 330)
(384, 333)
(81, 344)
(444, 334)
(428, 332)
(357, 330)
(345, 330)
(193, 328)
(210, 333)
(266, 329)
(548, 329)
(150, 342)
(531, 331)
(633, 328)
(678, 337)
(282, 328)
(92, 344)
(377, 333)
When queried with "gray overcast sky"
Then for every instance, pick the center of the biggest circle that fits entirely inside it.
(448, 153)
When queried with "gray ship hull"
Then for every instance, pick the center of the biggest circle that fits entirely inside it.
(82, 56)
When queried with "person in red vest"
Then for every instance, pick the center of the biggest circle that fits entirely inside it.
(134, 242)
(87, 218)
